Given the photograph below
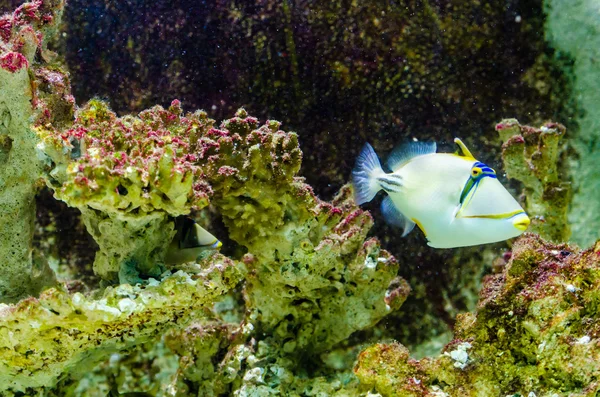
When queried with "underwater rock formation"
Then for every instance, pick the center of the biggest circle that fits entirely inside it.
(311, 284)
(312, 277)
(44, 339)
(129, 177)
(25, 94)
(531, 155)
(535, 330)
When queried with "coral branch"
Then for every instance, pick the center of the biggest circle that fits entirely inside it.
(41, 339)
(531, 155)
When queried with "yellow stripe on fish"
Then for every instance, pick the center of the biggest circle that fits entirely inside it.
(456, 198)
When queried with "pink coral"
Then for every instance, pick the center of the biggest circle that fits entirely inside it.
(13, 61)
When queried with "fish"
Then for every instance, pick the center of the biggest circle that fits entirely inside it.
(456, 200)
(190, 242)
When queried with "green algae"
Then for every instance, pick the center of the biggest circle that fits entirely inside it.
(534, 330)
(532, 156)
(69, 333)
(22, 43)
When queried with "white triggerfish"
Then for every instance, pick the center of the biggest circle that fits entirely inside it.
(190, 242)
(455, 200)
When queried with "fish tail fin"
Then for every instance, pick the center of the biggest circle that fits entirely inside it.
(365, 174)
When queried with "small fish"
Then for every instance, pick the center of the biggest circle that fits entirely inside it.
(455, 200)
(190, 242)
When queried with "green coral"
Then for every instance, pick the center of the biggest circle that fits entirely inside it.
(129, 177)
(129, 164)
(535, 330)
(69, 333)
(23, 55)
(314, 278)
(314, 281)
(135, 174)
(531, 155)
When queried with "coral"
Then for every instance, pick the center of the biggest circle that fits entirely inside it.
(329, 281)
(23, 54)
(215, 361)
(535, 331)
(148, 369)
(531, 155)
(306, 252)
(63, 333)
(313, 281)
(314, 277)
(129, 177)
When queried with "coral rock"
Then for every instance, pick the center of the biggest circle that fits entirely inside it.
(535, 330)
(42, 339)
(531, 155)
(23, 36)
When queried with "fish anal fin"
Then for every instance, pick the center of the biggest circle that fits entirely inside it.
(420, 226)
(394, 217)
(407, 151)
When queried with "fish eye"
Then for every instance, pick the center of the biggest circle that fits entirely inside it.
(475, 171)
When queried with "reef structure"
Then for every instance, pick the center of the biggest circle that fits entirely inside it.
(64, 334)
(535, 332)
(532, 156)
(27, 82)
(130, 177)
(309, 277)
(312, 278)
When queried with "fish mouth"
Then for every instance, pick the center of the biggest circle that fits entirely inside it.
(522, 223)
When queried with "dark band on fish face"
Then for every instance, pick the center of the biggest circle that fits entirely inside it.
(478, 171)
(187, 238)
(390, 182)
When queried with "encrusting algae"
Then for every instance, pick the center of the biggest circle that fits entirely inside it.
(24, 68)
(535, 330)
(531, 155)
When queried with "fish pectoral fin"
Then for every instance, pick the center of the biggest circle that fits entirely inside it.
(394, 217)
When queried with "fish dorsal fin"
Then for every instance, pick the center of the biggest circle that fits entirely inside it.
(463, 148)
(407, 151)
(394, 217)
